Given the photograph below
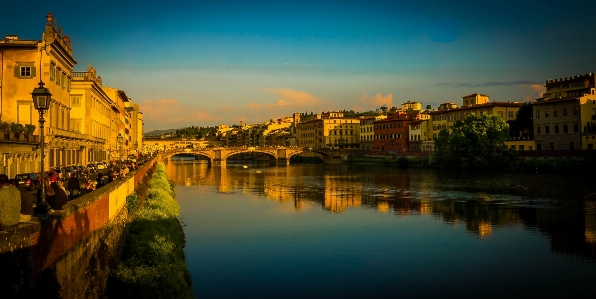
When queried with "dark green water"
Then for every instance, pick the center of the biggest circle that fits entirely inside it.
(370, 231)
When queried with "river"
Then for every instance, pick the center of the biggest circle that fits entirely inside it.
(375, 231)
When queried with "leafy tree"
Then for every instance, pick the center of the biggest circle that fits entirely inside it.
(523, 125)
(477, 142)
(384, 109)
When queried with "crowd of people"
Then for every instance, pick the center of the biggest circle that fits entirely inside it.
(18, 205)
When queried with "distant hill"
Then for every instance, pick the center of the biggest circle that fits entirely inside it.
(159, 132)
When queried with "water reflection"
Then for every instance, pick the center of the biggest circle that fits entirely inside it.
(560, 207)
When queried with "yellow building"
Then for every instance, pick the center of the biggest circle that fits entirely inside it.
(411, 106)
(574, 86)
(24, 64)
(329, 130)
(136, 118)
(120, 125)
(448, 113)
(367, 131)
(90, 114)
(420, 136)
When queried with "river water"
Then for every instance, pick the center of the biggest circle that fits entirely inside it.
(375, 231)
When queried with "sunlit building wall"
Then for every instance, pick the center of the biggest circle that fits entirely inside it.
(21, 72)
(448, 113)
(90, 114)
(331, 131)
(119, 125)
(391, 134)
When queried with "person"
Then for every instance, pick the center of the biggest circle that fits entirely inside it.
(10, 202)
(100, 182)
(61, 185)
(27, 200)
(89, 186)
(55, 196)
(74, 187)
(114, 175)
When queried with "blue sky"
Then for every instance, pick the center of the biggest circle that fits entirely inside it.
(208, 63)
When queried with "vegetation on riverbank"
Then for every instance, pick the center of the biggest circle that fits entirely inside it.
(517, 164)
(396, 161)
(559, 166)
(153, 263)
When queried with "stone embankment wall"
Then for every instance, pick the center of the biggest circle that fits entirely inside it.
(68, 253)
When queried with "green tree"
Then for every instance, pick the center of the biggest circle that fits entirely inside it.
(523, 125)
(477, 142)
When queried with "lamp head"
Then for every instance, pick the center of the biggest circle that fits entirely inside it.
(41, 97)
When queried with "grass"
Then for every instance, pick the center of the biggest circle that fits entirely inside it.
(153, 264)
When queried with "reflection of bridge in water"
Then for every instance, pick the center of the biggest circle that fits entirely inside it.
(277, 155)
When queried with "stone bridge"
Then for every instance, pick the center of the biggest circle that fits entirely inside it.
(277, 155)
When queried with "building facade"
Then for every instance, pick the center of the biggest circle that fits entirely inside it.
(392, 134)
(330, 130)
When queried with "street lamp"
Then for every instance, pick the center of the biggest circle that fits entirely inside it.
(41, 100)
(119, 140)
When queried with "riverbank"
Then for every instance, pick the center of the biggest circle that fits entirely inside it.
(153, 264)
(535, 165)
(400, 162)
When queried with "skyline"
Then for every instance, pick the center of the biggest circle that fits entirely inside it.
(208, 63)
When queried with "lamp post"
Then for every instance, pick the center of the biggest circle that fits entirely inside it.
(119, 140)
(41, 100)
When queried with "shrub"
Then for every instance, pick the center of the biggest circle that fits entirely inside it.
(17, 129)
(29, 129)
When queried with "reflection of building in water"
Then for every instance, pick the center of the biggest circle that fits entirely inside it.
(426, 207)
(484, 229)
(590, 232)
(341, 193)
(383, 207)
(570, 231)
(404, 205)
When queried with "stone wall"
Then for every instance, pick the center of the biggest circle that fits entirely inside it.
(68, 253)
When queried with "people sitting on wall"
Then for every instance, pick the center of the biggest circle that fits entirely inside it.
(89, 186)
(114, 175)
(74, 187)
(55, 196)
(10, 203)
(100, 182)
(27, 201)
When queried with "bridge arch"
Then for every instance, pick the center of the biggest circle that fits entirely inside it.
(194, 153)
(272, 157)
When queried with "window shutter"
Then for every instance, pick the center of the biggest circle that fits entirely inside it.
(33, 71)
(17, 71)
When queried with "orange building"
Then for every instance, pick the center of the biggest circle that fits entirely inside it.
(392, 133)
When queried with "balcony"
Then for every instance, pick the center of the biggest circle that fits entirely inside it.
(71, 135)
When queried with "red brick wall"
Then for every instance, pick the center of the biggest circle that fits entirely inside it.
(57, 237)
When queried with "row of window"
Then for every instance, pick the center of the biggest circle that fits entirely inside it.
(565, 128)
(389, 126)
(565, 86)
(551, 146)
(61, 78)
(521, 147)
(341, 132)
(389, 136)
(546, 112)
(461, 116)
